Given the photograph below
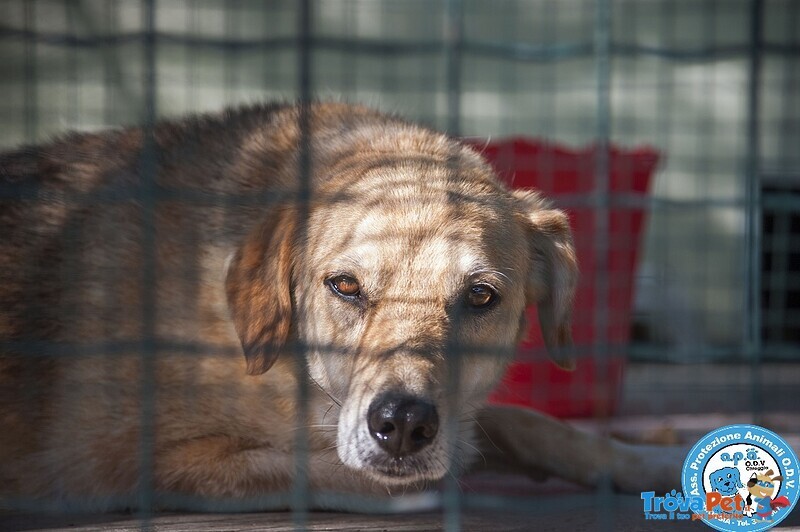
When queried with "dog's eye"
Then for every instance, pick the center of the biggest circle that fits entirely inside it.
(480, 296)
(345, 286)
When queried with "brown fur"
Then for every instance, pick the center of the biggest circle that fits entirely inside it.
(134, 271)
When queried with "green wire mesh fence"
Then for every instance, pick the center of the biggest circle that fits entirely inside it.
(713, 87)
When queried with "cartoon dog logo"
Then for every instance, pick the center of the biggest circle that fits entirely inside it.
(761, 488)
(726, 481)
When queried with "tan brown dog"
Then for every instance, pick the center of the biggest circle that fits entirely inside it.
(389, 287)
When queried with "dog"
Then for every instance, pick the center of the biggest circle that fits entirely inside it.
(185, 304)
(726, 481)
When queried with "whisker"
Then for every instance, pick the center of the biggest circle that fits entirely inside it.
(327, 411)
(332, 398)
(489, 438)
(464, 442)
(327, 430)
(452, 459)
(329, 448)
(331, 463)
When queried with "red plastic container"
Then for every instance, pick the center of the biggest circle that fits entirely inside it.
(567, 176)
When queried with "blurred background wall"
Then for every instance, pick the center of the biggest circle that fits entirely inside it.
(680, 79)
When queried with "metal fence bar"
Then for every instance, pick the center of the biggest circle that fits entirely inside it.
(31, 94)
(752, 342)
(124, 193)
(148, 198)
(506, 50)
(300, 494)
(112, 77)
(454, 48)
(602, 48)
(454, 38)
(602, 213)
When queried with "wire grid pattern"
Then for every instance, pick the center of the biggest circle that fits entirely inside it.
(713, 85)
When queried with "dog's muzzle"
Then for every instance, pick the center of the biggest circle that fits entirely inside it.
(402, 424)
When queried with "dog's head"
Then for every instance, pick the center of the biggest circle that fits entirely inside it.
(726, 481)
(405, 279)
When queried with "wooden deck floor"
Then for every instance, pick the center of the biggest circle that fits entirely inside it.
(335, 522)
(572, 509)
(580, 519)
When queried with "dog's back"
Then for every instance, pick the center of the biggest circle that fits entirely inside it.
(44, 192)
(52, 194)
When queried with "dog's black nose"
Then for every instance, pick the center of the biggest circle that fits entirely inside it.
(402, 424)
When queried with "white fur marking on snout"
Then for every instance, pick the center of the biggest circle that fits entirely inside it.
(359, 450)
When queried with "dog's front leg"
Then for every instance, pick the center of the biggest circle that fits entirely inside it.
(222, 467)
(520, 440)
(219, 467)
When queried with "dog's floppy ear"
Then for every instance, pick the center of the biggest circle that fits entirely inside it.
(553, 274)
(259, 289)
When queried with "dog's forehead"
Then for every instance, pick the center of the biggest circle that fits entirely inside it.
(444, 250)
(434, 229)
(418, 198)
